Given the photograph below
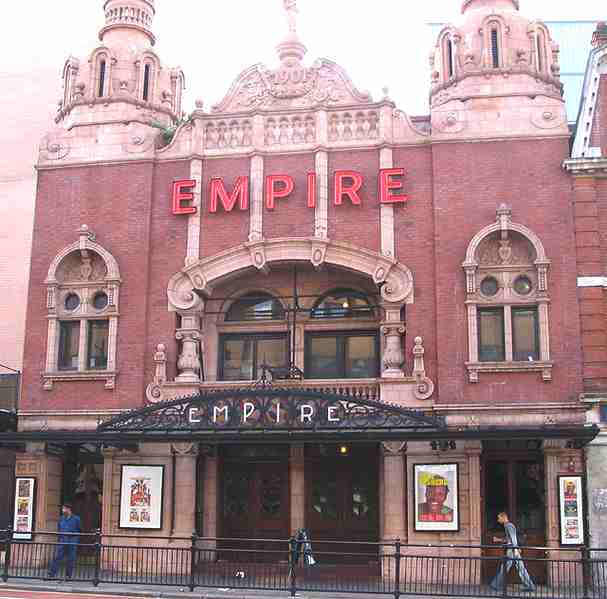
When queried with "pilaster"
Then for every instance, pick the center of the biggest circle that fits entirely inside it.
(297, 484)
(186, 455)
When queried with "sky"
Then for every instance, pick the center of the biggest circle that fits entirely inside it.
(380, 43)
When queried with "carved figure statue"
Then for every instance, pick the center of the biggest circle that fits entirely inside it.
(291, 8)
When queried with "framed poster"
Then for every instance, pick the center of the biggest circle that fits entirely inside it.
(436, 497)
(25, 504)
(141, 497)
(571, 510)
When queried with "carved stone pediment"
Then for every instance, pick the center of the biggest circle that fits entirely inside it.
(291, 86)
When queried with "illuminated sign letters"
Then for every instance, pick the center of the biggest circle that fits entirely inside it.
(347, 186)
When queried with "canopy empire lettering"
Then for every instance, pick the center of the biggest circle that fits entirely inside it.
(263, 409)
(347, 187)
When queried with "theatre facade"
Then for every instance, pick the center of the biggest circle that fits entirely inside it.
(301, 307)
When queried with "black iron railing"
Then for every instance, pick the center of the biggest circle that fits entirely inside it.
(391, 569)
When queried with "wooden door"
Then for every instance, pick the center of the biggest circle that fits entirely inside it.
(255, 506)
(515, 484)
(342, 501)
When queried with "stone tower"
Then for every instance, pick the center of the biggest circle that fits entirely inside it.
(120, 89)
(496, 73)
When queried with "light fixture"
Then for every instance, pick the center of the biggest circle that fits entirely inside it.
(344, 450)
(345, 305)
(571, 464)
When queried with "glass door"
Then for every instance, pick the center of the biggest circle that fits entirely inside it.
(514, 485)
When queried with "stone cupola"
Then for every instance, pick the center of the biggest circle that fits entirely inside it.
(496, 72)
(122, 80)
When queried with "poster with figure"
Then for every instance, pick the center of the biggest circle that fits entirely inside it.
(141, 497)
(571, 509)
(436, 497)
(25, 498)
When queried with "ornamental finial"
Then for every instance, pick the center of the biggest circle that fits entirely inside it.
(292, 12)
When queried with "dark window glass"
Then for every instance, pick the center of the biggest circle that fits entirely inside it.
(495, 50)
(146, 82)
(489, 286)
(347, 355)
(530, 496)
(523, 285)
(603, 413)
(72, 301)
(98, 340)
(496, 492)
(343, 303)
(256, 306)
(491, 344)
(450, 58)
(100, 301)
(525, 342)
(324, 495)
(540, 61)
(101, 89)
(242, 356)
(69, 341)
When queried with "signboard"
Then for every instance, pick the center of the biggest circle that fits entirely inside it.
(25, 503)
(347, 187)
(436, 497)
(272, 409)
(141, 490)
(571, 509)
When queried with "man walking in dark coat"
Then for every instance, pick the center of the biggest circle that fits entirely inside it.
(69, 528)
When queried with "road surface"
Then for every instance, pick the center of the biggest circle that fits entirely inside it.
(6, 594)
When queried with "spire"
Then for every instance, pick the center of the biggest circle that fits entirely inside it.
(130, 15)
(599, 37)
(291, 51)
(494, 4)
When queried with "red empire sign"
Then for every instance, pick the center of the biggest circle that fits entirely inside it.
(346, 189)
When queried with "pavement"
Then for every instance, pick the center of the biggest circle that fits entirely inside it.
(73, 590)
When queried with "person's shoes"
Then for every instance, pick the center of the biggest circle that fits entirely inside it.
(493, 588)
(528, 590)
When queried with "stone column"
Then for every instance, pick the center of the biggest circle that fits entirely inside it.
(297, 487)
(186, 455)
(210, 503)
(107, 523)
(393, 329)
(189, 360)
(394, 505)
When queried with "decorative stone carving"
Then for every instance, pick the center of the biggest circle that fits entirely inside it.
(291, 86)
(354, 126)
(154, 392)
(228, 135)
(188, 363)
(184, 449)
(299, 129)
(424, 387)
(393, 356)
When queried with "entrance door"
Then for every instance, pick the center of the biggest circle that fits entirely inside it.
(342, 500)
(515, 485)
(255, 502)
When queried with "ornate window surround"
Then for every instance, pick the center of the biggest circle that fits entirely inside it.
(474, 300)
(86, 289)
(495, 23)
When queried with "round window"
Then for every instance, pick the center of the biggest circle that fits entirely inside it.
(72, 301)
(100, 301)
(523, 285)
(489, 286)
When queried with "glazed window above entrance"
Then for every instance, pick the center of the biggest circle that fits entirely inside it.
(342, 355)
(242, 357)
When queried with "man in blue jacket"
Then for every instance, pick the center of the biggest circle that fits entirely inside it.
(69, 528)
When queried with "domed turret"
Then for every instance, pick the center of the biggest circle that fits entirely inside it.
(123, 79)
(496, 73)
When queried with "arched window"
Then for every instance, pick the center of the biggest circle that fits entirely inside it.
(101, 78)
(147, 72)
(507, 300)
(255, 307)
(540, 50)
(343, 303)
(495, 48)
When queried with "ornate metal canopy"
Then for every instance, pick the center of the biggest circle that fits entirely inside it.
(262, 409)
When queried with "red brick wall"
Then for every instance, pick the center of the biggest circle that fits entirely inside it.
(116, 203)
(222, 230)
(356, 224)
(470, 181)
(414, 242)
(291, 217)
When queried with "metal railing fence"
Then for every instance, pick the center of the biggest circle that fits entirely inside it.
(389, 569)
